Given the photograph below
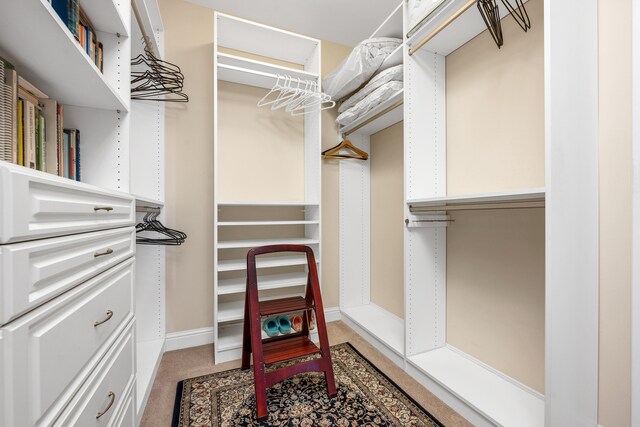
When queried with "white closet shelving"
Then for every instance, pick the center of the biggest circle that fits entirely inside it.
(418, 343)
(147, 186)
(379, 326)
(243, 224)
(122, 142)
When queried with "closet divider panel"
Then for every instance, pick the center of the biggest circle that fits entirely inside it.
(355, 217)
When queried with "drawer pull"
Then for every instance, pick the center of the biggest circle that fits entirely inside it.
(111, 396)
(106, 319)
(103, 208)
(107, 252)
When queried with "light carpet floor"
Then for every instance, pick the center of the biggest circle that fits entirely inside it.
(178, 365)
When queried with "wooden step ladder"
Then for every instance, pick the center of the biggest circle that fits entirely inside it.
(283, 347)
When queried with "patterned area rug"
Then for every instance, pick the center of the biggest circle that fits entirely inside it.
(366, 397)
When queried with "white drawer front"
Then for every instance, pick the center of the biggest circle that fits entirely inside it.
(32, 273)
(36, 205)
(127, 416)
(52, 349)
(103, 396)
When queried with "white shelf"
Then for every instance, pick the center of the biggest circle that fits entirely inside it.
(145, 201)
(226, 59)
(497, 397)
(50, 59)
(396, 58)
(148, 356)
(264, 262)
(233, 244)
(105, 16)
(247, 223)
(392, 26)
(268, 204)
(273, 281)
(233, 311)
(529, 194)
(247, 36)
(389, 118)
(460, 31)
(385, 326)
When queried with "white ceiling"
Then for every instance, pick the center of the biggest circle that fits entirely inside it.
(341, 21)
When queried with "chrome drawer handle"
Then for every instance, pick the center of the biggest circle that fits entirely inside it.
(106, 319)
(109, 251)
(111, 396)
(103, 208)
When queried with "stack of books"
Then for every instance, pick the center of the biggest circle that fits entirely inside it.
(81, 27)
(31, 128)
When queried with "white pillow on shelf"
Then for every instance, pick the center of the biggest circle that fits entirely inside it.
(362, 63)
(385, 76)
(371, 101)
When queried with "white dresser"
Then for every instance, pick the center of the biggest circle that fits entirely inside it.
(67, 323)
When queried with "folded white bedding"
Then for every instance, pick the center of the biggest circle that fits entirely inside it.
(359, 66)
(371, 101)
(385, 76)
(419, 10)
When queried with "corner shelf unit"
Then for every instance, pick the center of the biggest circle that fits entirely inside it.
(243, 224)
(418, 343)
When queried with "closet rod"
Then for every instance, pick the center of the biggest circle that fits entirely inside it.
(441, 27)
(375, 117)
(145, 36)
(521, 204)
(147, 209)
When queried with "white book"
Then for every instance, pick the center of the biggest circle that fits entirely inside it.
(30, 143)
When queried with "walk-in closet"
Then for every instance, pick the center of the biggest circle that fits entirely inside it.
(272, 212)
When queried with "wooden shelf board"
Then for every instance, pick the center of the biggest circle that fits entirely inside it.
(268, 204)
(385, 326)
(536, 194)
(105, 16)
(264, 262)
(247, 223)
(266, 282)
(507, 403)
(390, 118)
(233, 311)
(47, 61)
(234, 244)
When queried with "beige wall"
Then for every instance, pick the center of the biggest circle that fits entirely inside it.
(387, 219)
(495, 290)
(614, 409)
(495, 110)
(495, 141)
(243, 129)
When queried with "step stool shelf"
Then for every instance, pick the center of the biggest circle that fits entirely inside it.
(283, 305)
(287, 349)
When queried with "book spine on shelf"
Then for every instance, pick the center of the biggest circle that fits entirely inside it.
(7, 122)
(12, 79)
(78, 161)
(60, 141)
(41, 142)
(50, 113)
(21, 132)
(72, 154)
(30, 135)
(65, 152)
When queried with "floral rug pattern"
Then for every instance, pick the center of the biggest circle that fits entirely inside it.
(366, 397)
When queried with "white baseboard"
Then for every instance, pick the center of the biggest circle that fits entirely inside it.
(203, 336)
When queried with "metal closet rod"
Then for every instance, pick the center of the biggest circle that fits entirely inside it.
(145, 36)
(441, 27)
(521, 204)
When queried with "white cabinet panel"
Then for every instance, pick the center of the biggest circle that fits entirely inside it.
(103, 396)
(51, 350)
(32, 273)
(36, 205)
